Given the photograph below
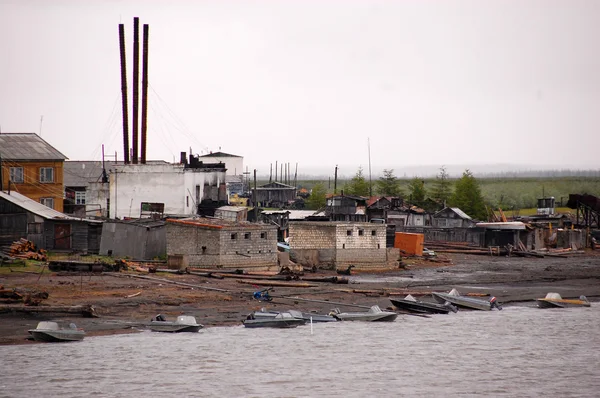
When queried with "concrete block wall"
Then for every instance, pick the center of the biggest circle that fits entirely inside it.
(360, 236)
(215, 248)
(312, 235)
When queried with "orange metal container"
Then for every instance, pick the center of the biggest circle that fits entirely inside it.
(409, 243)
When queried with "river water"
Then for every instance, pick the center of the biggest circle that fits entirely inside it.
(516, 352)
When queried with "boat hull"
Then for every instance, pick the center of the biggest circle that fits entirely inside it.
(420, 307)
(386, 317)
(549, 303)
(175, 328)
(273, 323)
(54, 336)
(462, 301)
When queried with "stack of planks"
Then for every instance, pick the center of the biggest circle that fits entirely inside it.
(24, 248)
(456, 247)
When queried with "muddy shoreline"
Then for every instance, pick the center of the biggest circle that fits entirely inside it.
(514, 281)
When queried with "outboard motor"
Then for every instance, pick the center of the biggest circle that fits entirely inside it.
(494, 303)
(451, 306)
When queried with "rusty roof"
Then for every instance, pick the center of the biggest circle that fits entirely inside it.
(27, 146)
(219, 223)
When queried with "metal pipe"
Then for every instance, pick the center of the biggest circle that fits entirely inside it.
(136, 87)
(124, 94)
(144, 93)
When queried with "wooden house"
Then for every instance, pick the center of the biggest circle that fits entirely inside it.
(275, 194)
(452, 217)
(22, 217)
(32, 167)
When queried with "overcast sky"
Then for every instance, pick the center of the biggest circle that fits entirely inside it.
(428, 82)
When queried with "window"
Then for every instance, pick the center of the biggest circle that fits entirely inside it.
(79, 197)
(373, 233)
(247, 235)
(16, 174)
(46, 174)
(263, 235)
(349, 232)
(203, 249)
(47, 202)
(34, 228)
(233, 236)
(361, 232)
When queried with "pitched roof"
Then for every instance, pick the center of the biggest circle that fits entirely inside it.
(27, 146)
(275, 185)
(78, 173)
(219, 155)
(37, 208)
(456, 210)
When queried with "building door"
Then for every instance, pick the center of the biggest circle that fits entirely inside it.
(62, 236)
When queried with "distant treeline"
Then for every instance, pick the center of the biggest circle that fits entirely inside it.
(507, 192)
(541, 173)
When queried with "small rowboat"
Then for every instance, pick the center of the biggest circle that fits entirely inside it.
(554, 300)
(375, 314)
(184, 323)
(51, 332)
(410, 304)
(466, 302)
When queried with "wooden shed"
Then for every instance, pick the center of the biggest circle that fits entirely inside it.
(21, 217)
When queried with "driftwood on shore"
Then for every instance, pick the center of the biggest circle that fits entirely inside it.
(161, 280)
(87, 311)
(275, 283)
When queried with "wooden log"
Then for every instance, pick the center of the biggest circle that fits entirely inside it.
(327, 279)
(277, 284)
(257, 277)
(87, 311)
(134, 294)
(205, 274)
(161, 280)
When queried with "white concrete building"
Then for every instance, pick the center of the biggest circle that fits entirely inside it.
(233, 163)
(137, 190)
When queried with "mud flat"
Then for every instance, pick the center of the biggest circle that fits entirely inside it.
(126, 304)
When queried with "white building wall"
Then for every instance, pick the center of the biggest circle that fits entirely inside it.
(234, 165)
(130, 185)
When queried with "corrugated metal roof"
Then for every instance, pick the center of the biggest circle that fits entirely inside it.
(27, 146)
(37, 208)
(292, 214)
(460, 213)
(79, 173)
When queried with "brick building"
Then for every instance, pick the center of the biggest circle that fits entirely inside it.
(339, 244)
(216, 243)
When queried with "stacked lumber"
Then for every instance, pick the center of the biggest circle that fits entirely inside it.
(25, 249)
(456, 247)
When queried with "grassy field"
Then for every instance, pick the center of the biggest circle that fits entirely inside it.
(507, 193)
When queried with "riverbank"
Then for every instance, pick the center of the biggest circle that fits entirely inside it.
(125, 304)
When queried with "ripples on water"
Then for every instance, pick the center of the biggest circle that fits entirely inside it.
(518, 352)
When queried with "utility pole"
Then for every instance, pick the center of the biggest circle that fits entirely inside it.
(271, 174)
(254, 199)
(1, 176)
(370, 181)
(335, 181)
(275, 171)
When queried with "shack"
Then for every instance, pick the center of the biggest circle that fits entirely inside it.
(452, 217)
(232, 213)
(275, 194)
(21, 217)
(140, 239)
(217, 243)
(336, 245)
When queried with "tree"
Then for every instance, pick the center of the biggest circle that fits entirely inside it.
(442, 190)
(316, 200)
(467, 196)
(388, 185)
(358, 185)
(417, 191)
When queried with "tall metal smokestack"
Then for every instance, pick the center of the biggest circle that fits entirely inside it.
(144, 93)
(136, 87)
(124, 94)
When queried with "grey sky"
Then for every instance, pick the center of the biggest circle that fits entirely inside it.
(430, 82)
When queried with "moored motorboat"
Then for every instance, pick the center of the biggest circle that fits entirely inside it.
(554, 300)
(267, 319)
(52, 332)
(308, 316)
(184, 323)
(466, 302)
(410, 304)
(374, 314)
